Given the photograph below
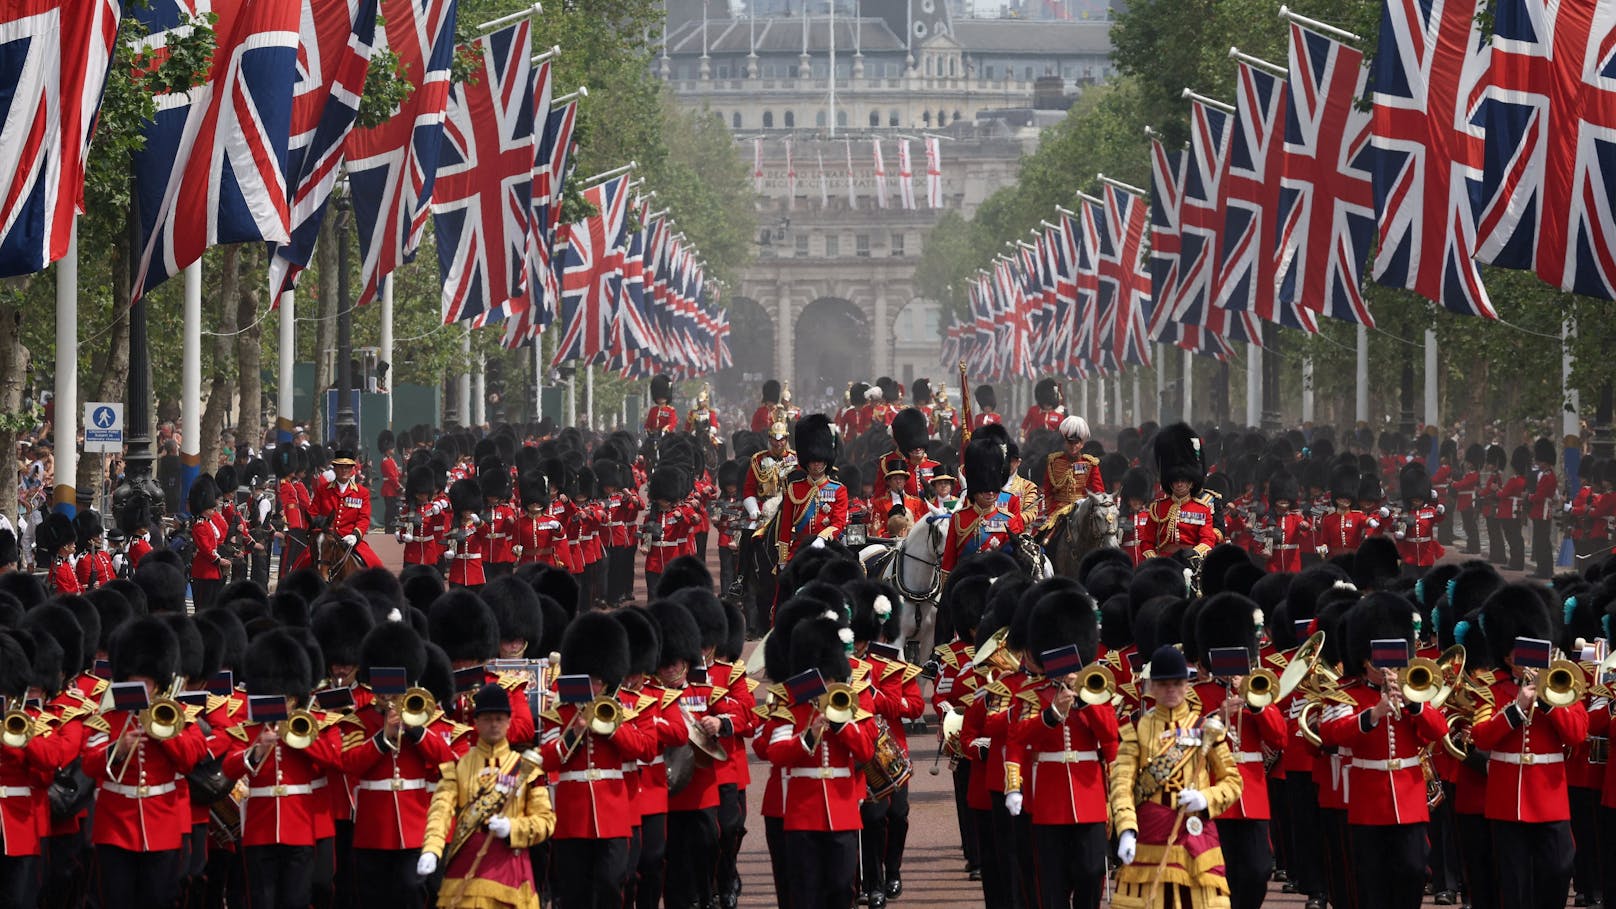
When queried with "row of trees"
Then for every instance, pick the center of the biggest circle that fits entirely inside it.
(1489, 371)
(687, 156)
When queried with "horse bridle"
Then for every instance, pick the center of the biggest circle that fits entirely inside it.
(936, 576)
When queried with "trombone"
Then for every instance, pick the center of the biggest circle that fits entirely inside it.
(17, 728)
(299, 729)
(605, 715)
(1095, 684)
(164, 718)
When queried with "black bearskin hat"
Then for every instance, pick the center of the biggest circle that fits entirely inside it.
(59, 623)
(684, 571)
(164, 586)
(232, 638)
(419, 482)
(708, 612)
(733, 647)
(438, 677)
(661, 389)
(1376, 563)
(595, 645)
(86, 527)
(190, 639)
(1178, 456)
(1377, 617)
(15, 671)
(145, 647)
(1227, 620)
(1047, 392)
(1520, 460)
(985, 397)
(517, 610)
(667, 484)
(875, 608)
(816, 440)
(1282, 488)
(1369, 488)
(1063, 618)
(771, 391)
(681, 639)
(465, 495)
(52, 534)
(393, 644)
(921, 392)
(1543, 452)
(1414, 483)
(463, 625)
(730, 474)
(204, 494)
(909, 430)
(1136, 485)
(340, 625)
(277, 663)
(644, 640)
(817, 643)
(1475, 456)
(1513, 611)
(777, 645)
(494, 479)
(986, 469)
(8, 547)
(1344, 482)
(533, 490)
(1220, 559)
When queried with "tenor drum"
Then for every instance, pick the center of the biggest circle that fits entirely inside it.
(889, 768)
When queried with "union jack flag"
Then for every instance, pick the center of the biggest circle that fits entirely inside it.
(213, 169)
(1166, 200)
(54, 56)
(484, 193)
(1087, 349)
(334, 48)
(1426, 80)
(634, 339)
(1199, 223)
(1548, 196)
(1327, 217)
(588, 282)
(392, 167)
(1250, 202)
(1124, 283)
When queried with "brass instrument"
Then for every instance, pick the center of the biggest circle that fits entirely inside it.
(164, 718)
(1301, 665)
(1563, 684)
(1259, 687)
(299, 729)
(996, 655)
(1310, 730)
(17, 728)
(1602, 675)
(605, 715)
(1095, 684)
(838, 703)
(1422, 681)
(1452, 662)
(417, 707)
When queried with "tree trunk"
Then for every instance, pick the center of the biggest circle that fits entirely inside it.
(220, 386)
(13, 368)
(325, 331)
(113, 384)
(250, 363)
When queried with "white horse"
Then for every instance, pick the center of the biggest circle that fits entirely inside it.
(911, 566)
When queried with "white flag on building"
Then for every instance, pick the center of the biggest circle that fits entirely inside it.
(880, 176)
(934, 172)
(757, 164)
(906, 176)
(824, 182)
(852, 195)
(791, 179)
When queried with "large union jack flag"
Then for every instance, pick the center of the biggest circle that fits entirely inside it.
(54, 56)
(333, 57)
(213, 169)
(1426, 80)
(1200, 220)
(588, 282)
(1549, 186)
(1124, 282)
(1327, 217)
(392, 167)
(484, 193)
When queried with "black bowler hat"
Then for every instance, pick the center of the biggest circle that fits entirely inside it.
(1167, 664)
(491, 698)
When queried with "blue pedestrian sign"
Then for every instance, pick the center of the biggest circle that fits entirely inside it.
(103, 427)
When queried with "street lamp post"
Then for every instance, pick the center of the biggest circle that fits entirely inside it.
(347, 428)
(137, 479)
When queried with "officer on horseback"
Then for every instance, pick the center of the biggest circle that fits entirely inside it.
(343, 508)
(1069, 474)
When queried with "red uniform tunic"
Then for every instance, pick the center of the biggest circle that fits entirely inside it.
(1040, 418)
(668, 724)
(1067, 758)
(392, 478)
(667, 531)
(283, 800)
(348, 507)
(691, 703)
(729, 681)
(501, 534)
(883, 505)
(919, 481)
(957, 681)
(1286, 535)
(762, 417)
(140, 802)
(1418, 545)
(986, 418)
(1252, 734)
(207, 564)
(63, 579)
(972, 530)
(540, 538)
(423, 542)
(1511, 499)
(293, 498)
(95, 569)
(1341, 532)
(1065, 481)
(391, 784)
(661, 418)
(1526, 779)
(1542, 495)
(1385, 785)
(1178, 524)
(466, 556)
(823, 785)
(1602, 517)
(811, 509)
(1464, 490)
(561, 509)
(591, 798)
(25, 777)
(622, 514)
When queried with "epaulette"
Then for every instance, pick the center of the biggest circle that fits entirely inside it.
(752, 685)
(1030, 695)
(192, 711)
(236, 703)
(510, 681)
(456, 730)
(1092, 459)
(553, 715)
(353, 738)
(670, 696)
(945, 655)
(910, 671)
(861, 714)
(999, 688)
(888, 670)
(861, 672)
(738, 669)
(96, 690)
(99, 724)
(90, 701)
(1279, 660)
(239, 732)
(215, 701)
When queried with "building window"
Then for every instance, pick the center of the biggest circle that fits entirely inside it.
(791, 120)
(925, 117)
(956, 117)
(987, 72)
(897, 246)
(892, 118)
(841, 118)
(1027, 74)
(735, 120)
(875, 118)
(768, 119)
(861, 246)
(833, 247)
(802, 246)
(819, 118)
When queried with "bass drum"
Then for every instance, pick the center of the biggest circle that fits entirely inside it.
(889, 768)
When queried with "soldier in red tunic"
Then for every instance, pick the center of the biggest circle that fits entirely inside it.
(983, 524)
(910, 433)
(345, 505)
(1541, 507)
(1177, 519)
(1285, 530)
(1465, 488)
(499, 517)
(813, 506)
(392, 479)
(1512, 506)
(769, 410)
(94, 566)
(1342, 530)
(661, 418)
(54, 543)
(423, 527)
(1416, 541)
(987, 403)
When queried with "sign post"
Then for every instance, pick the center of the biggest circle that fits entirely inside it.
(103, 427)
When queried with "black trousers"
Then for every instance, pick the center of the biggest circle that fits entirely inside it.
(1279, 823)
(631, 881)
(325, 872)
(386, 879)
(1389, 864)
(964, 814)
(1543, 548)
(66, 870)
(1002, 837)
(619, 573)
(139, 880)
(1472, 529)
(1445, 875)
(996, 884)
(278, 877)
(204, 592)
(648, 871)
(701, 545)
(774, 836)
(1517, 546)
(343, 882)
(1444, 530)
(1536, 869)
(881, 842)
(1586, 834)
(651, 579)
(822, 867)
(726, 573)
(1607, 849)
(390, 513)
(1337, 861)
(731, 831)
(1071, 865)
(1248, 861)
(592, 872)
(492, 570)
(19, 881)
(1495, 541)
(692, 857)
(1476, 857)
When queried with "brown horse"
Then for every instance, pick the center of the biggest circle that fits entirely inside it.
(333, 560)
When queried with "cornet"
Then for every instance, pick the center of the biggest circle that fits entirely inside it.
(17, 729)
(417, 707)
(838, 703)
(1422, 681)
(164, 718)
(1563, 684)
(299, 730)
(1095, 684)
(1259, 688)
(605, 715)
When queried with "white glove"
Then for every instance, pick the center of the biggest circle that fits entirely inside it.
(500, 826)
(1192, 800)
(351, 539)
(406, 537)
(1127, 846)
(426, 864)
(1385, 512)
(1400, 535)
(751, 507)
(1012, 803)
(1443, 509)
(517, 550)
(818, 543)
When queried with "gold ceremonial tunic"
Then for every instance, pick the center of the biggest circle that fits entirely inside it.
(1194, 865)
(499, 881)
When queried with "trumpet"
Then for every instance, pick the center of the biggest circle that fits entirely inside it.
(1259, 688)
(164, 718)
(605, 715)
(417, 707)
(17, 728)
(299, 729)
(1095, 684)
(1563, 684)
(1422, 681)
(838, 703)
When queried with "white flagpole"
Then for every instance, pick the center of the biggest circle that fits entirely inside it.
(66, 399)
(191, 371)
(387, 343)
(1254, 401)
(1361, 408)
(288, 354)
(1432, 416)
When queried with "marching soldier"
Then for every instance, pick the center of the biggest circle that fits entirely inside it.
(1286, 529)
(1342, 530)
(1541, 508)
(292, 499)
(769, 411)
(1417, 544)
(54, 542)
(392, 479)
(1135, 501)
(468, 540)
(1512, 506)
(499, 518)
(702, 421)
(1048, 410)
(661, 418)
(669, 523)
(1069, 474)
(134, 519)
(1178, 521)
(539, 536)
(209, 565)
(813, 507)
(623, 507)
(987, 403)
(423, 527)
(94, 567)
(1465, 495)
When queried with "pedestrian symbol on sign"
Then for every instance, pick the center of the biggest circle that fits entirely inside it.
(105, 418)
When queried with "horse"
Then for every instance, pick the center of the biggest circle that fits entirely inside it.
(912, 566)
(333, 560)
(1092, 523)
